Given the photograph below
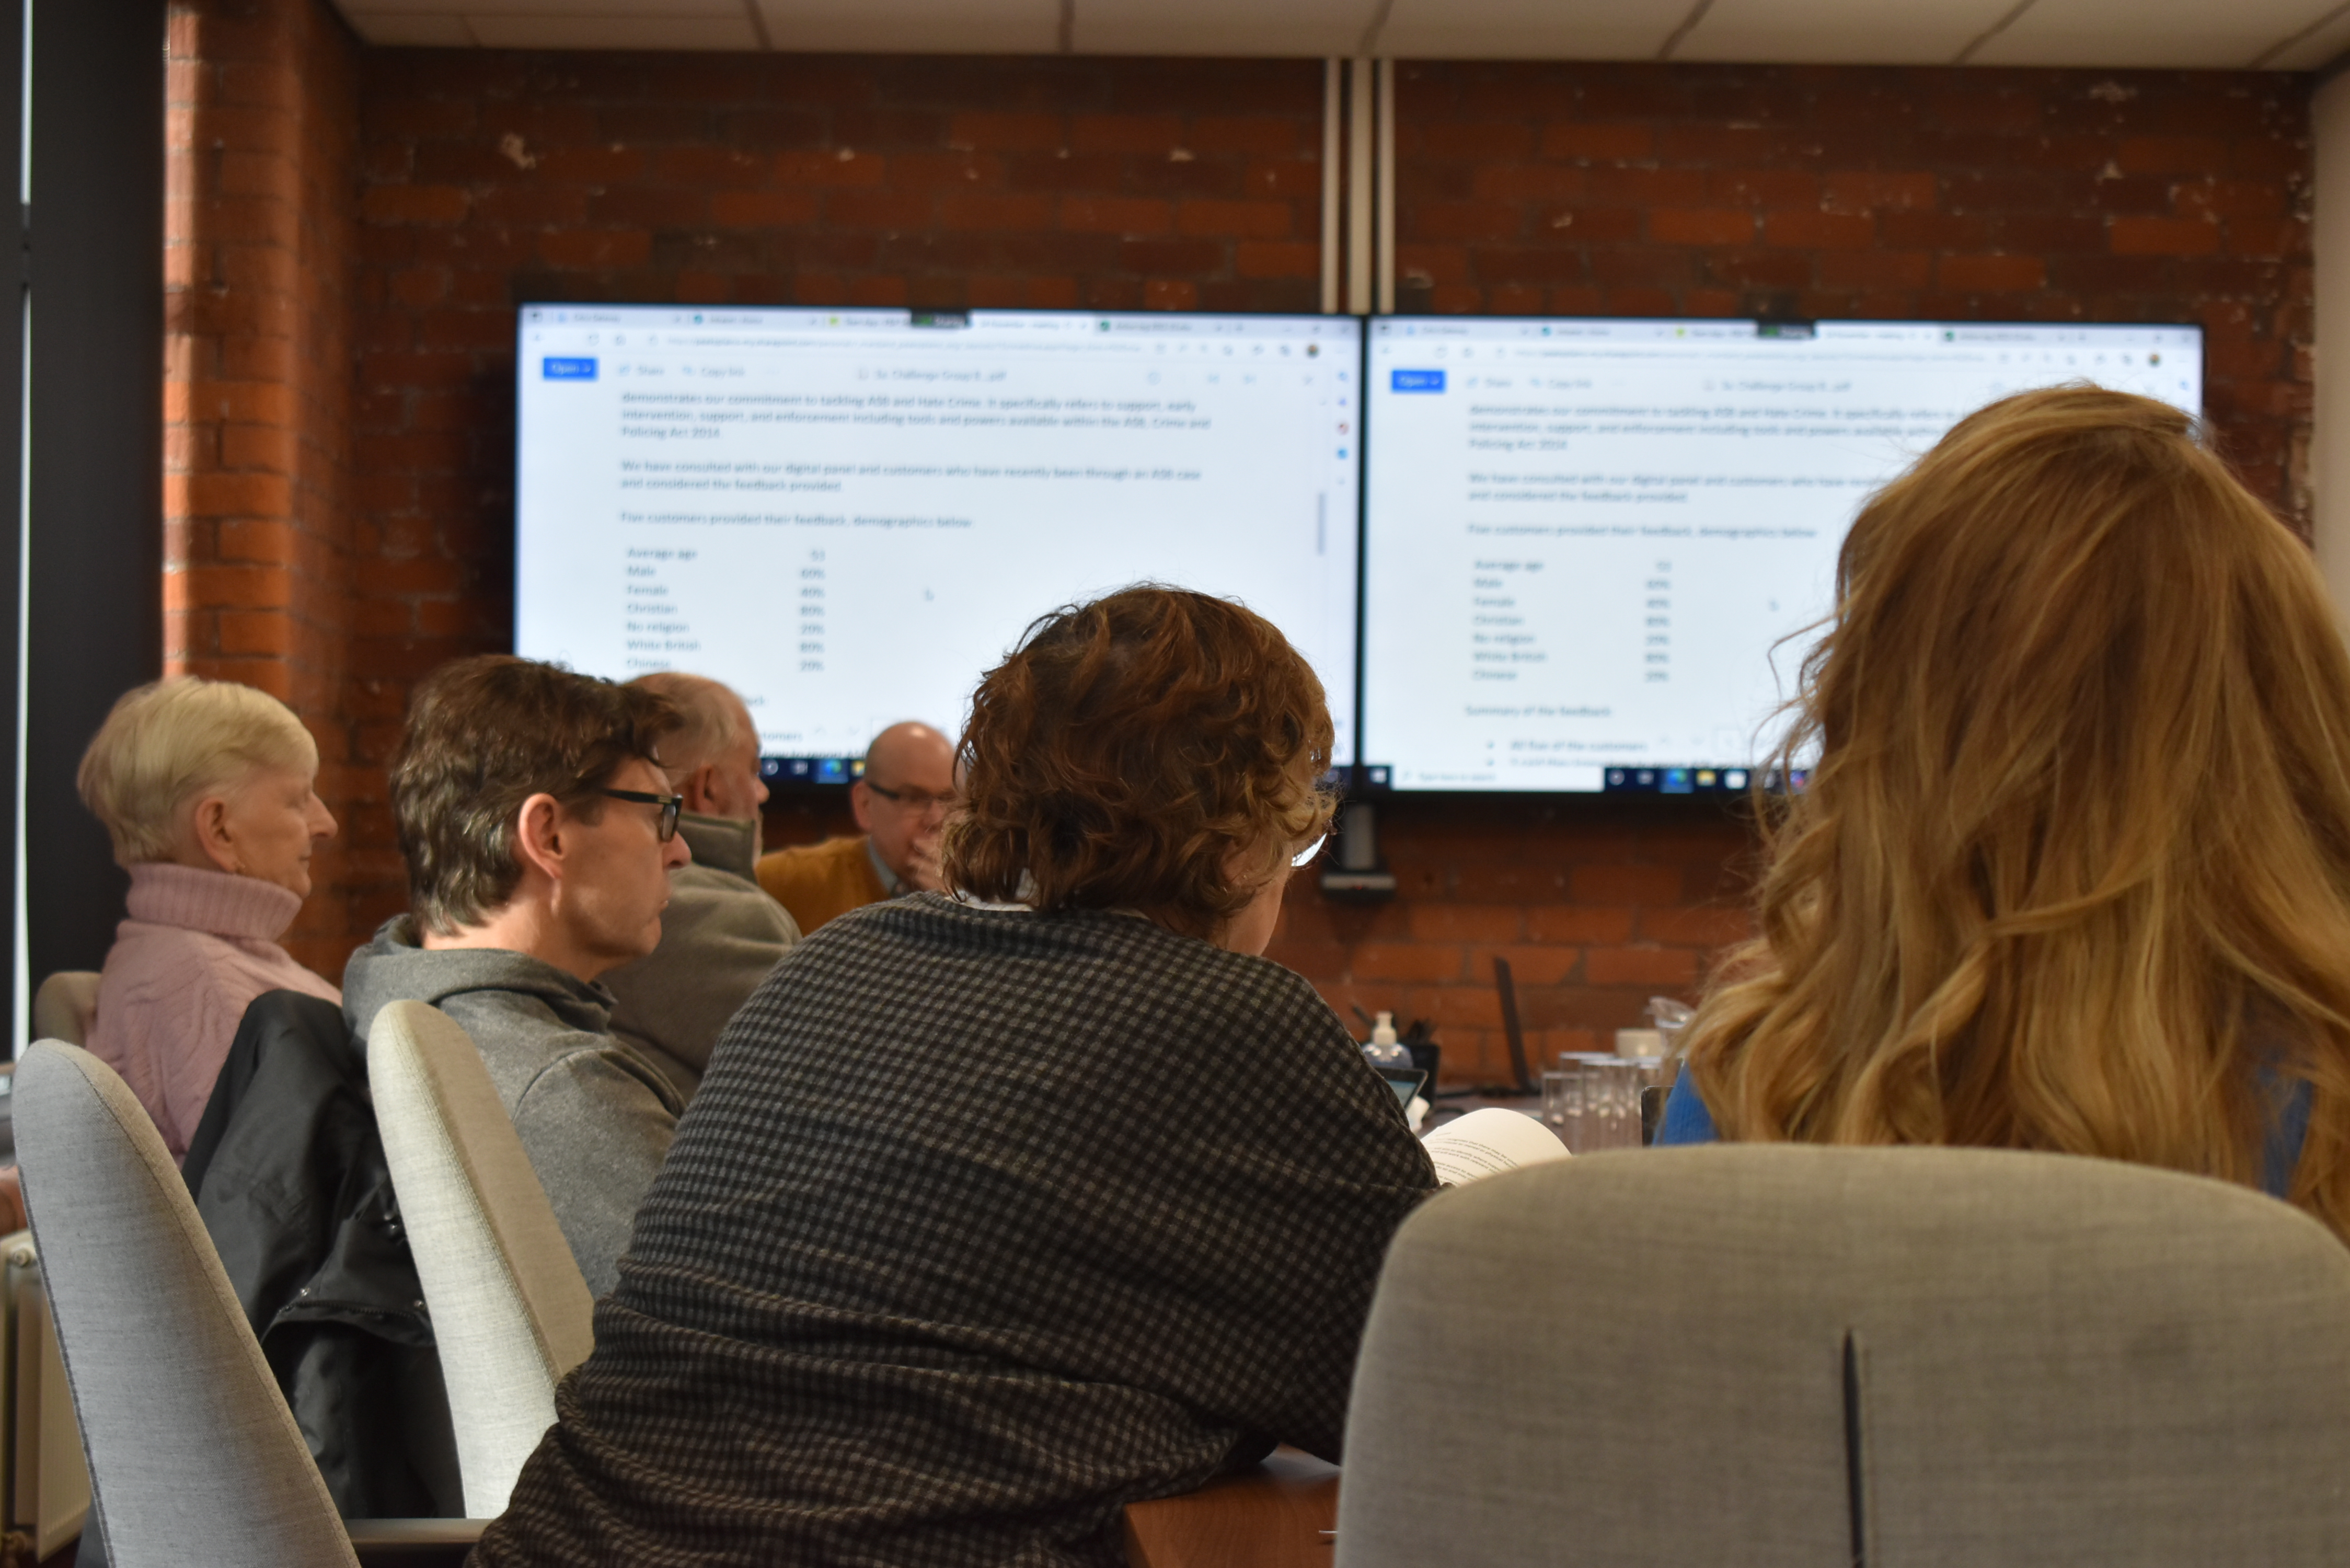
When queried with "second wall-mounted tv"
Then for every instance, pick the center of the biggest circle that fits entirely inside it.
(1590, 545)
(848, 515)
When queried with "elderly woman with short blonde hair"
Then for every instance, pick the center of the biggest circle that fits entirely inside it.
(207, 789)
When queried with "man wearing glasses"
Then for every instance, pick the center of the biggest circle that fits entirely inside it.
(901, 803)
(539, 831)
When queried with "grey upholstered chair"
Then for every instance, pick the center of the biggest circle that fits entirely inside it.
(1778, 1355)
(510, 1311)
(192, 1454)
(64, 1006)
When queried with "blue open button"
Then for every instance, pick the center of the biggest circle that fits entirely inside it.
(556, 368)
(1418, 381)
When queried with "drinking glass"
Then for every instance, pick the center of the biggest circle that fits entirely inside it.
(1589, 1069)
(1562, 1103)
(1601, 1112)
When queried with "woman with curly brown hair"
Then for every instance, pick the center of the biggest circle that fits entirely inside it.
(2072, 871)
(998, 1212)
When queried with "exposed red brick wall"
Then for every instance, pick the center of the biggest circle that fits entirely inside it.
(484, 179)
(1598, 904)
(490, 179)
(1794, 191)
(259, 235)
(1664, 191)
(1809, 192)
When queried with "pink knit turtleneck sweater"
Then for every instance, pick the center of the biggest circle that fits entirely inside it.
(198, 947)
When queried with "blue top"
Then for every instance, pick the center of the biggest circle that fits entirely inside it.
(1688, 1121)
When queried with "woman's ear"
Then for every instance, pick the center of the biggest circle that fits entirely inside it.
(1245, 867)
(208, 825)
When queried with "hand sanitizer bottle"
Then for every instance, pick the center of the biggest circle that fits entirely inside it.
(1385, 1050)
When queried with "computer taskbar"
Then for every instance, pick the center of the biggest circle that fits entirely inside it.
(811, 769)
(1697, 779)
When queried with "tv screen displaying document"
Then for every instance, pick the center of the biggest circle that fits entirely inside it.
(849, 516)
(1587, 544)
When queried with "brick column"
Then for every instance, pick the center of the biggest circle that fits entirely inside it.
(264, 132)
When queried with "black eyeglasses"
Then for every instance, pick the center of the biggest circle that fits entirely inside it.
(911, 799)
(671, 805)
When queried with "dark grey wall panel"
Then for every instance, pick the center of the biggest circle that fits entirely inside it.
(12, 274)
(96, 455)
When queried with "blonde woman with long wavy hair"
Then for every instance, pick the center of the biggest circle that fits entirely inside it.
(2072, 871)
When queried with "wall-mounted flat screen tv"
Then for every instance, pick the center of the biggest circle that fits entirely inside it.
(848, 515)
(1591, 547)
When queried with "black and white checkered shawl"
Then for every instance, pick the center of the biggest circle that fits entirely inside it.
(982, 1225)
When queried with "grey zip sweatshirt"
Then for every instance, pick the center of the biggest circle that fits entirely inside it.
(596, 1116)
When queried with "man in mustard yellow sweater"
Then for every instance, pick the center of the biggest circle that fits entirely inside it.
(901, 802)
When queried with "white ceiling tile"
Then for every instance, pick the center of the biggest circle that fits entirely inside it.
(508, 31)
(916, 26)
(395, 30)
(1915, 32)
(1529, 29)
(1239, 27)
(637, 8)
(2312, 46)
(2282, 34)
(2124, 34)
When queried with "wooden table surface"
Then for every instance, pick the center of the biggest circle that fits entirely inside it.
(1272, 1516)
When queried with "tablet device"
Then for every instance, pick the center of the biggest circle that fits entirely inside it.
(1405, 1082)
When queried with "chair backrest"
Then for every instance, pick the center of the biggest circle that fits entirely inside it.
(192, 1451)
(1774, 1355)
(64, 1006)
(510, 1311)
